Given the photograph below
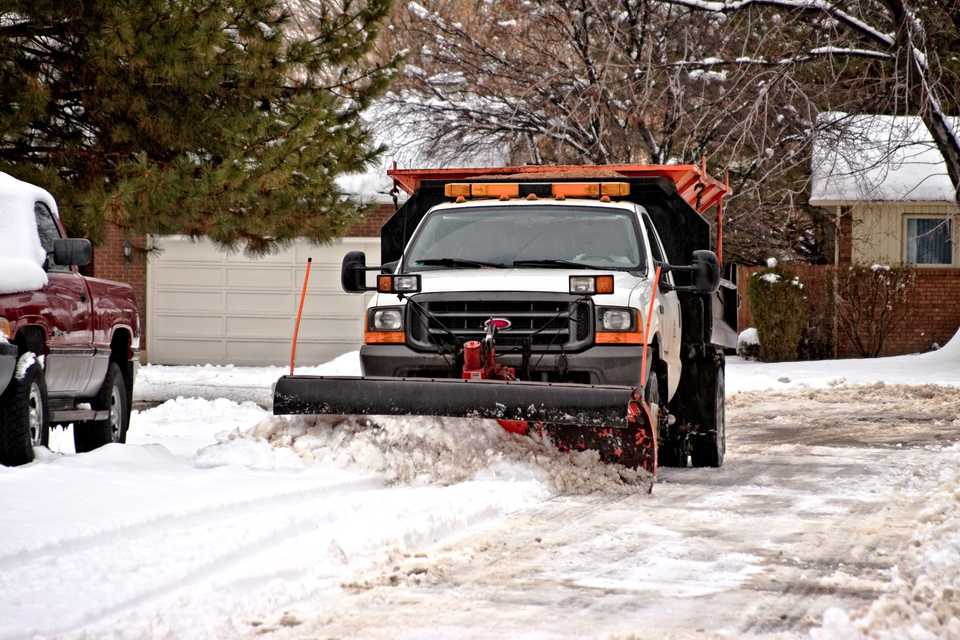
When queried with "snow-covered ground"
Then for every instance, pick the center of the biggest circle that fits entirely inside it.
(156, 383)
(219, 520)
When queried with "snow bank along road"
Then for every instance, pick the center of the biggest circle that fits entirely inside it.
(217, 520)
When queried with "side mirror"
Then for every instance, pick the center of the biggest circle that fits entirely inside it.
(353, 272)
(706, 272)
(72, 252)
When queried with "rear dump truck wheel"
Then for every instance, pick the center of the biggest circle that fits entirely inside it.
(709, 444)
(112, 398)
(24, 416)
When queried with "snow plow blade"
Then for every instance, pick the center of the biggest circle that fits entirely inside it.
(561, 404)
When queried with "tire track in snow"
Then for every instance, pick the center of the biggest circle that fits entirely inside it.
(271, 538)
(196, 517)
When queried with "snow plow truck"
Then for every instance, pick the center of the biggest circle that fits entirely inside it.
(583, 303)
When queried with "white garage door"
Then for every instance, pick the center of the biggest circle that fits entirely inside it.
(205, 305)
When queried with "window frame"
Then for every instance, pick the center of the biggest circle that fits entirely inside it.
(49, 265)
(406, 266)
(905, 239)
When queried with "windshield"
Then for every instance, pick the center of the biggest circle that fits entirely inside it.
(527, 236)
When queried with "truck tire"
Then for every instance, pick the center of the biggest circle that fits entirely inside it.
(710, 442)
(113, 398)
(24, 417)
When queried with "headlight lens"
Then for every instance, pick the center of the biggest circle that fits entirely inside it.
(6, 331)
(406, 284)
(616, 319)
(582, 285)
(387, 320)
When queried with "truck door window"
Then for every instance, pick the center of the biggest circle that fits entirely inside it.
(656, 249)
(49, 232)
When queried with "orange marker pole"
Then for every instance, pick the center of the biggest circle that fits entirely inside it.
(646, 330)
(296, 325)
(720, 232)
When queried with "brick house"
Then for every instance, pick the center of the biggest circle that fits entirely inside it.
(885, 183)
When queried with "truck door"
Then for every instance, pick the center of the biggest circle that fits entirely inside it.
(668, 306)
(69, 361)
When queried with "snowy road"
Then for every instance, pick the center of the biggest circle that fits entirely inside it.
(803, 517)
(318, 539)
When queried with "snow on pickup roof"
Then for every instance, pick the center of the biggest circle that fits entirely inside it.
(865, 157)
(21, 255)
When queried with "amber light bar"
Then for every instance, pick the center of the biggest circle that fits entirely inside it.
(589, 189)
(560, 190)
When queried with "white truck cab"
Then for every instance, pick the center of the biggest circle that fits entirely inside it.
(515, 259)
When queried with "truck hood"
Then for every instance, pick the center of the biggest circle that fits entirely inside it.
(543, 280)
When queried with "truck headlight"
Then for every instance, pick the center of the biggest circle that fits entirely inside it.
(616, 319)
(387, 320)
(589, 285)
(6, 331)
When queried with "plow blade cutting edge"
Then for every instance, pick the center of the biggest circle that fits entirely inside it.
(561, 404)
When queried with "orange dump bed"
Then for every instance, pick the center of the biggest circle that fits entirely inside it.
(701, 191)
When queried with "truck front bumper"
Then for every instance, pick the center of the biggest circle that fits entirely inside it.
(8, 364)
(605, 365)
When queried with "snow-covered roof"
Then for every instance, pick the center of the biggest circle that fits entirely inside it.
(876, 158)
(408, 145)
(21, 254)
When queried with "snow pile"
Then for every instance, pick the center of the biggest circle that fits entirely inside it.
(205, 419)
(21, 254)
(420, 450)
(940, 367)
(878, 158)
(157, 383)
(924, 602)
(748, 344)
(748, 337)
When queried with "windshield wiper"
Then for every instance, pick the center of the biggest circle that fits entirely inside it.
(458, 262)
(554, 263)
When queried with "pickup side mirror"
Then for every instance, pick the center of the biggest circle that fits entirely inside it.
(353, 272)
(706, 274)
(72, 252)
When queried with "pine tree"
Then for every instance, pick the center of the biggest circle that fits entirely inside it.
(225, 118)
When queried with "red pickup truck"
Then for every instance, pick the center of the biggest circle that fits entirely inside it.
(67, 349)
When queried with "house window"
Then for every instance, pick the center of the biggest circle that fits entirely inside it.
(929, 240)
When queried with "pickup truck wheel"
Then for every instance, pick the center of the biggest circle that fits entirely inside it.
(113, 398)
(24, 417)
(710, 445)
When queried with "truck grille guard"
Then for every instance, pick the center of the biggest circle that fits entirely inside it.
(547, 322)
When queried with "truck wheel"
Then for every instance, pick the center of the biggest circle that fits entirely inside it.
(710, 444)
(24, 417)
(113, 398)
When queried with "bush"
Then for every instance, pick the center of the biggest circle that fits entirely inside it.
(816, 341)
(872, 303)
(779, 312)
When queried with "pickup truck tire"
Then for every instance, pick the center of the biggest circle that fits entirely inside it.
(24, 417)
(709, 445)
(113, 397)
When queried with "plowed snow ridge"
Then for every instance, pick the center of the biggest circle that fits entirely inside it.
(431, 450)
